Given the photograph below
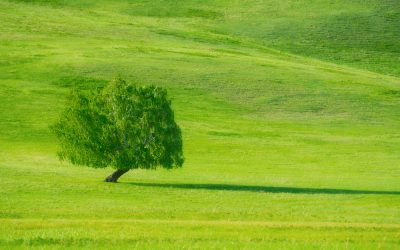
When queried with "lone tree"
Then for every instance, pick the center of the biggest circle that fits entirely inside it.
(122, 126)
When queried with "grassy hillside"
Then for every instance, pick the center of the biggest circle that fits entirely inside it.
(289, 111)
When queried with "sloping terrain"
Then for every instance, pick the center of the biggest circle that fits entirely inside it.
(289, 111)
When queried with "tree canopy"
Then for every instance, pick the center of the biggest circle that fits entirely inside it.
(123, 126)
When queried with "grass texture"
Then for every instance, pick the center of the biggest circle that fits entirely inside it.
(289, 112)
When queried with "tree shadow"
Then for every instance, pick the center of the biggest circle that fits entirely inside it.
(266, 189)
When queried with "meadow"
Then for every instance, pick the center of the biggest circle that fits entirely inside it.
(290, 114)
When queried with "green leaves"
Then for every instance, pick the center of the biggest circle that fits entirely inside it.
(123, 126)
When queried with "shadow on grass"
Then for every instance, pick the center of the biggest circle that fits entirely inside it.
(293, 190)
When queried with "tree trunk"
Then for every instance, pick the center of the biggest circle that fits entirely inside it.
(114, 176)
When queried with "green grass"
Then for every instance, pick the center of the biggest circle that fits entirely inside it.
(289, 111)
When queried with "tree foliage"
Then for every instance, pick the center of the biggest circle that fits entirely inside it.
(123, 126)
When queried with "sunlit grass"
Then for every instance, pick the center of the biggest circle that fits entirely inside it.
(291, 140)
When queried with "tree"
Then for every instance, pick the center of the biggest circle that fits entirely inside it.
(123, 126)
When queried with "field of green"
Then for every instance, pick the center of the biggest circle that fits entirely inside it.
(290, 114)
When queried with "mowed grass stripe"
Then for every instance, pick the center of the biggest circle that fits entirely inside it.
(270, 224)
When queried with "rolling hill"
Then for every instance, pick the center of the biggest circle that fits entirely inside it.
(289, 111)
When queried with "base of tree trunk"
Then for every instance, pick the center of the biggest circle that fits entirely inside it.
(115, 176)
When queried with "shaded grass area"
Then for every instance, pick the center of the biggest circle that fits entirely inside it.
(264, 189)
(363, 34)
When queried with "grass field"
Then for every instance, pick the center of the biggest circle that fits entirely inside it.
(290, 113)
